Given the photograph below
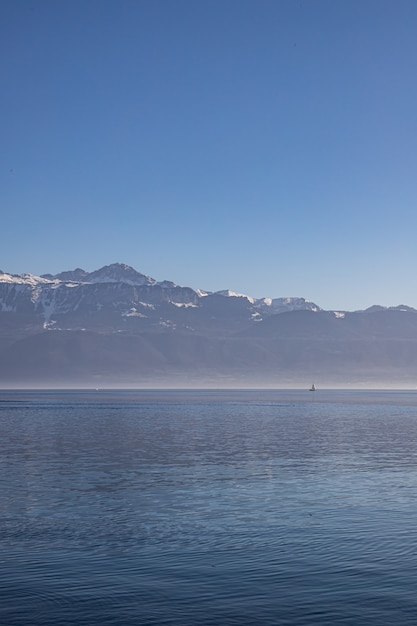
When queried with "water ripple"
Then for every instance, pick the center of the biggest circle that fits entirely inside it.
(187, 509)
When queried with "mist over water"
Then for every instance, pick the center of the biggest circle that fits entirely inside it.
(208, 507)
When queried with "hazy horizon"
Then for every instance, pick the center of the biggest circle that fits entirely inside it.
(367, 384)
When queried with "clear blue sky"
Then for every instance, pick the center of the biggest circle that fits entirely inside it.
(265, 146)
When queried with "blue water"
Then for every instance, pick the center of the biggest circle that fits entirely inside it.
(201, 508)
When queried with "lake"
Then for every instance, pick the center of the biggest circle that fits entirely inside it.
(209, 507)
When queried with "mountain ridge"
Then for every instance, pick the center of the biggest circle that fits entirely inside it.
(123, 273)
(117, 326)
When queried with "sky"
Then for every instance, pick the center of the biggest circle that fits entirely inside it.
(263, 146)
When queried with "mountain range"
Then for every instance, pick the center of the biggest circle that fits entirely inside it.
(118, 327)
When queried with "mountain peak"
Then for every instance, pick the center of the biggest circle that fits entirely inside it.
(401, 307)
(119, 273)
(77, 275)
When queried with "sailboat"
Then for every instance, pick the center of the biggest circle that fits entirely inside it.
(313, 387)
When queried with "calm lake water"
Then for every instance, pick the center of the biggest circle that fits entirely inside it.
(201, 508)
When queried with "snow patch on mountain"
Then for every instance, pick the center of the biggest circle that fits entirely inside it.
(133, 312)
(234, 294)
(293, 304)
(25, 279)
(185, 305)
(265, 301)
(147, 305)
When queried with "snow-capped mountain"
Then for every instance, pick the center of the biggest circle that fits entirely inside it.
(116, 324)
(115, 273)
(121, 290)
